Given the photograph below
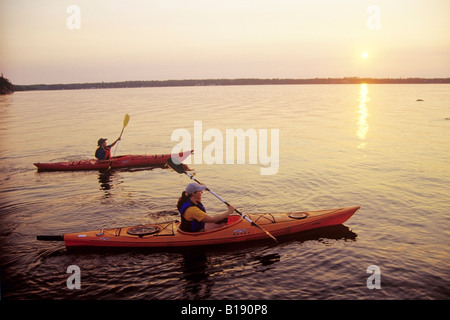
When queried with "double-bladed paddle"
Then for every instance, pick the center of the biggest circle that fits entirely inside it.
(178, 167)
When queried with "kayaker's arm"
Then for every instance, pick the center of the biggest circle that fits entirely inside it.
(218, 217)
(112, 144)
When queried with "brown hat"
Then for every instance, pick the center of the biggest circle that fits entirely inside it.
(100, 141)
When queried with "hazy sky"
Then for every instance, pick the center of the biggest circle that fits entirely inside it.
(45, 41)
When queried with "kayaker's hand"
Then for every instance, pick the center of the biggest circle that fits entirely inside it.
(231, 209)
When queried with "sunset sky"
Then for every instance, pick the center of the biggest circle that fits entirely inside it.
(44, 41)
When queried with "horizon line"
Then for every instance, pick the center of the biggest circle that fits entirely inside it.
(227, 82)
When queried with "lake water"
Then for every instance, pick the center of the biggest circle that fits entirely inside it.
(339, 145)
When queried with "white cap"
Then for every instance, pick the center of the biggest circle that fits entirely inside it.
(193, 187)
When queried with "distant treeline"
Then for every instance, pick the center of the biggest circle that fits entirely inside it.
(225, 82)
(5, 86)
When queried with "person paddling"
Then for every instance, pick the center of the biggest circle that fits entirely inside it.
(193, 214)
(103, 151)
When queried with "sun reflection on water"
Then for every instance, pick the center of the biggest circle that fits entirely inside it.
(363, 126)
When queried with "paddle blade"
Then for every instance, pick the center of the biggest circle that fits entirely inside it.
(125, 120)
(176, 165)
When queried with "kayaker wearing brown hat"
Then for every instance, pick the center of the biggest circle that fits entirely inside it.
(103, 151)
(193, 214)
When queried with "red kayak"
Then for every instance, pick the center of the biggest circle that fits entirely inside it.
(125, 161)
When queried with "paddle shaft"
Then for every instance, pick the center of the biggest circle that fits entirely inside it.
(125, 123)
(240, 213)
(118, 142)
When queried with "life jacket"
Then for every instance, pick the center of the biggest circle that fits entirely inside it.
(103, 154)
(194, 225)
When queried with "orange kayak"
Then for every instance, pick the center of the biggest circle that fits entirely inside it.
(166, 235)
(126, 161)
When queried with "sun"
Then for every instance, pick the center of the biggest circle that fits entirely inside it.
(364, 55)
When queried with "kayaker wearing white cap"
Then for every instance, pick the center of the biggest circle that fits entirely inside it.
(193, 214)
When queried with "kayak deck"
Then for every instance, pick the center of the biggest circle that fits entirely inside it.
(167, 234)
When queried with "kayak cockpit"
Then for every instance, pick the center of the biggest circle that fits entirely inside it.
(231, 221)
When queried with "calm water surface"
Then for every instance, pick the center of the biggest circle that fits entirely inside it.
(339, 145)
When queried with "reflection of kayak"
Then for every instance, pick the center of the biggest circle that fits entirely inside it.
(165, 235)
(126, 161)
